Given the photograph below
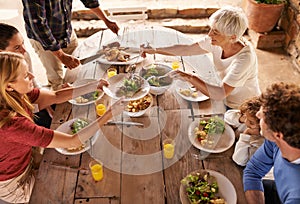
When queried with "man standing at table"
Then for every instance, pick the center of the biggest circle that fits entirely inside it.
(48, 26)
(280, 124)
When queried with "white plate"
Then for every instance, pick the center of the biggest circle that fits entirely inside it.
(222, 143)
(183, 85)
(134, 59)
(81, 82)
(65, 127)
(117, 81)
(226, 189)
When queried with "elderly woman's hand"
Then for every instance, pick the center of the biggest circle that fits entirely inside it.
(146, 48)
(177, 74)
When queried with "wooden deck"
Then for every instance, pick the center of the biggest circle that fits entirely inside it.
(135, 170)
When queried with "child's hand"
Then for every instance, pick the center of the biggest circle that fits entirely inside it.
(252, 131)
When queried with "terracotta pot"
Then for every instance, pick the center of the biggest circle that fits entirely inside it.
(263, 17)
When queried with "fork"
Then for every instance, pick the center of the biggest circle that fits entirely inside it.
(200, 156)
(157, 77)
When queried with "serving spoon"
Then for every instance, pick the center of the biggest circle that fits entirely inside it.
(158, 77)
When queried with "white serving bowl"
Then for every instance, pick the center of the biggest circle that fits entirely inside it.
(140, 112)
(162, 70)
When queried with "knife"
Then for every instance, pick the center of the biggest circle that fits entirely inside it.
(206, 115)
(124, 123)
(90, 58)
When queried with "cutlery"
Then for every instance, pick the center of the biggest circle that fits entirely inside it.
(132, 58)
(124, 123)
(57, 165)
(206, 115)
(90, 58)
(157, 77)
(201, 155)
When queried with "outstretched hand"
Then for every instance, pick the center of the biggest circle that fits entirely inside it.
(70, 61)
(178, 74)
(102, 83)
(112, 25)
(146, 49)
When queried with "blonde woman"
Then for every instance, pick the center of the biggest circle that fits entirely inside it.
(233, 56)
(18, 132)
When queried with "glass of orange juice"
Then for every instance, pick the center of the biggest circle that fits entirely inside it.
(111, 72)
(175, 65)
(169, 148)
(96, 168)
(100, 109)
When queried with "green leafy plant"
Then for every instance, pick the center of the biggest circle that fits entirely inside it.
(270, 1)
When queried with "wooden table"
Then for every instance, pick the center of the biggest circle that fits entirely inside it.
(134, 169)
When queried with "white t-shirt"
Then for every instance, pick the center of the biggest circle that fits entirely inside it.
(239, 71)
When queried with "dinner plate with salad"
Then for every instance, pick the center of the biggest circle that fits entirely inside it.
(127, 86)
(88, 98)
(207, 186)
(211, 134)
(72, 127)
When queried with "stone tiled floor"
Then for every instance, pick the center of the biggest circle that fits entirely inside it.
(273, 65)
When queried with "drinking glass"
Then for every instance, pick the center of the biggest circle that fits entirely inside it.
(96, 168)
(169, 148)
(111, 72)
(175, 65)
(100, 109)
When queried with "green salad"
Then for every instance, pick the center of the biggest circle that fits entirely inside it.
(130, 87)
(156, 71)
(201, 187)
(87, 97)
(78, 124)
(214, 125)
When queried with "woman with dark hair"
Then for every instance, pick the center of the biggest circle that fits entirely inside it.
(11, 40)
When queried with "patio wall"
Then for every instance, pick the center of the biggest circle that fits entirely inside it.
(290, 22)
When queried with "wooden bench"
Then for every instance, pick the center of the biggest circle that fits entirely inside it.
(128, 13)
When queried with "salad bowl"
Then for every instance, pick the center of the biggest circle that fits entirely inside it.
(155, 74)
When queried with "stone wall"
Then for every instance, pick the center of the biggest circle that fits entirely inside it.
(290, 22)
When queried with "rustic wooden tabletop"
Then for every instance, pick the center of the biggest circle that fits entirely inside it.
(135, 170)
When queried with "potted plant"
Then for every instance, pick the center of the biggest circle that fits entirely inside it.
(264, 14)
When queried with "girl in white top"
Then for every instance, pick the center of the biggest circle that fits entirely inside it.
(234, 58)
(245, 121)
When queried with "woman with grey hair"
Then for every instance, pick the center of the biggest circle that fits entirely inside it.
(233, 56)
